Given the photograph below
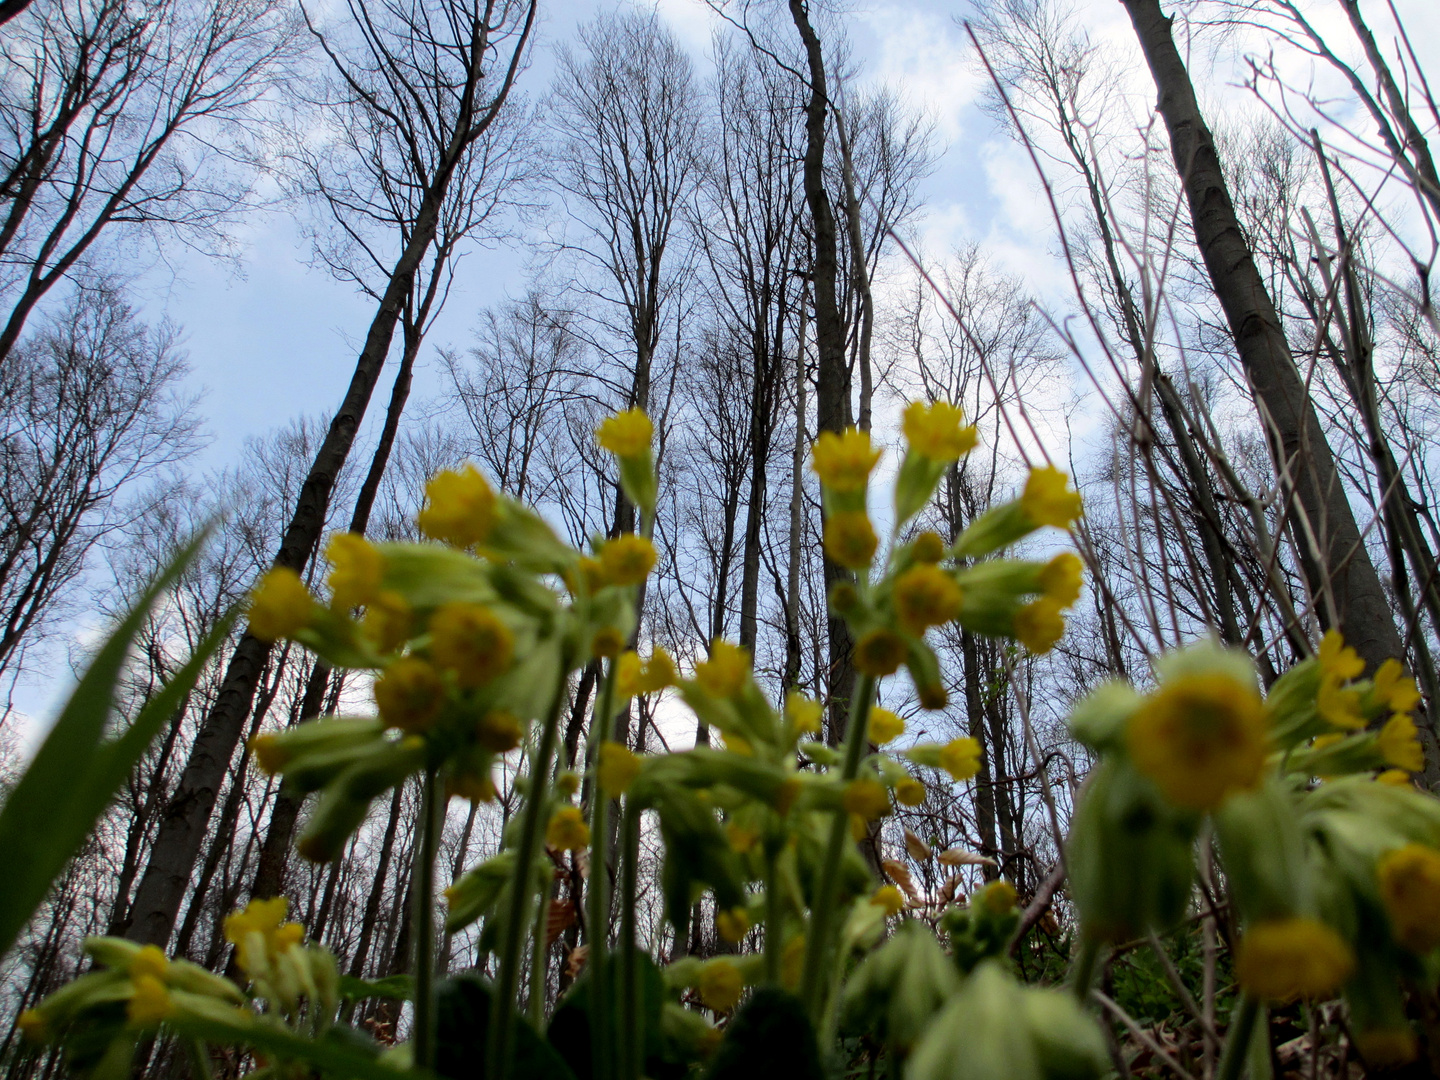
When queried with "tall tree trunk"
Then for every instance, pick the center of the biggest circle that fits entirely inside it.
(1341, 576)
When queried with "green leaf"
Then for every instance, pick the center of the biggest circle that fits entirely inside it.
(569, 1030)
(393, 987)
(769, 1039)
(75, 774)
(462, 1014)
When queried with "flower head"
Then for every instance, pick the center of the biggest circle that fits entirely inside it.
(926, 596)
(1339, 659)
(356, 570)
(1400, 744)
(627, 559)
(280, 605)
(626, 434)
(260, 934)
(1281, 960)
(1200, 737)
(149, 1003)
(499, 731)
(866, 798)
(884, 726)
(410, 695)
(1039, 625)
(936, 431)
(720, 984)
(928, 547)
(1048, 500)
(33, 1026)
(850, 539)
(1394, 688)
(804, 713)
(1338, 705)
(659, 671)
(606, 643)
(567, 830)
(1410, 889)
(617, 768)
(725, 672)
(961, 758)
(471, 641)
(880, 652)
(732, 925)
(459, 507)
(388, 620)
(910, 792)
(843, 462)
(629, 674)
(889, 898)
(1061, 578)
(998, 897)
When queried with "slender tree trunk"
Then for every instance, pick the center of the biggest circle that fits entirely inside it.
(797, 507)
(1342, 578)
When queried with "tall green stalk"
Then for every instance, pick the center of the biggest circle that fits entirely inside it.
(631, 1037)
(597, 896)
(423, 916)
(500, 1046)
(772, 916)
(1237, 1039)
(818, 940)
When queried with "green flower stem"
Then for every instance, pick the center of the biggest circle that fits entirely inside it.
(597, 896)
(1083, 973)
(423, 903)
(1237, 1039)
(501, 1044)
(772, 917)
(817, 942)
(537, 963)
(631, 1038)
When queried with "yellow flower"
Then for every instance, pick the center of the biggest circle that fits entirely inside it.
(260, 934)
(469, 640)
(479, 789)
(1062, 577)
(1400, 744)
(740, 838)
(998, 897)
(269, 752)
(880, 652)
(843, 462)
(1339, 659)
(725, 672)
(936, 432)
(732, 925)
(928, 547)
(850, 539)
(1394, 688)
(459, 507)
(149, 1002)
(626, 560)
(1200, 737)
(589, 572)
(737, 744)
(720, 984)
(629, 674)
(388, 620)
(1410, 889)
(567, 830)
(1337, 705)
(1386, 1047)
(926, 596)
(151, 961)
(804, 713)
(616, 769)
(1280, 960)
(932, 696)
(280, 605)
(356, 570)
(889, 898)
(499, 731)
(961, 758)
(866, 798)
(1039, 625)
(1048, 500)
(659, 672)
(606, 643)
(410, 695)
(567, 783)
(1395, 778)
(32, 1025)
(884, 726)
(626, 434)
(910, 792)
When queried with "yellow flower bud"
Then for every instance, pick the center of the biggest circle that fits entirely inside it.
(1281, 960)
(32, 1025)
(469, 640)
(479, 789)
(567, 830)
(629, 675)
(269, 753)
(1048, 500)
(626, 560)
(388, 620)
(928, 547)
(1410, 889)
(726, 671)
(616, 769)
(804, 714)
(459, 507)
(884, 726)
(999, 897)
(720, 985)
(499, 731)
(356, 570)
(150, 1002)
(606, 643)
(260, 934)
(150, 960)
(1394, 688)
(936, 431)
(1395, 778)
(926, 596)
(910, 792)
(1200, 737)
(626, 434)
(880, 652)
(1061, 578)
(659, 672)
(866, 798)
(1338, 659)
(1337, 705)
(280, 605)
(889, 898)
(410, 695)
(850, 539)
(732, 925)
(843, 462)
(932, 696)
(1039, 625)
(961, 758)
(1400, 743)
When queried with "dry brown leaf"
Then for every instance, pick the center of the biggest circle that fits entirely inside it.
(956, 856)
(918, 849)
(575, 962)
(559, 919)
(899, 873)
(950, 890)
